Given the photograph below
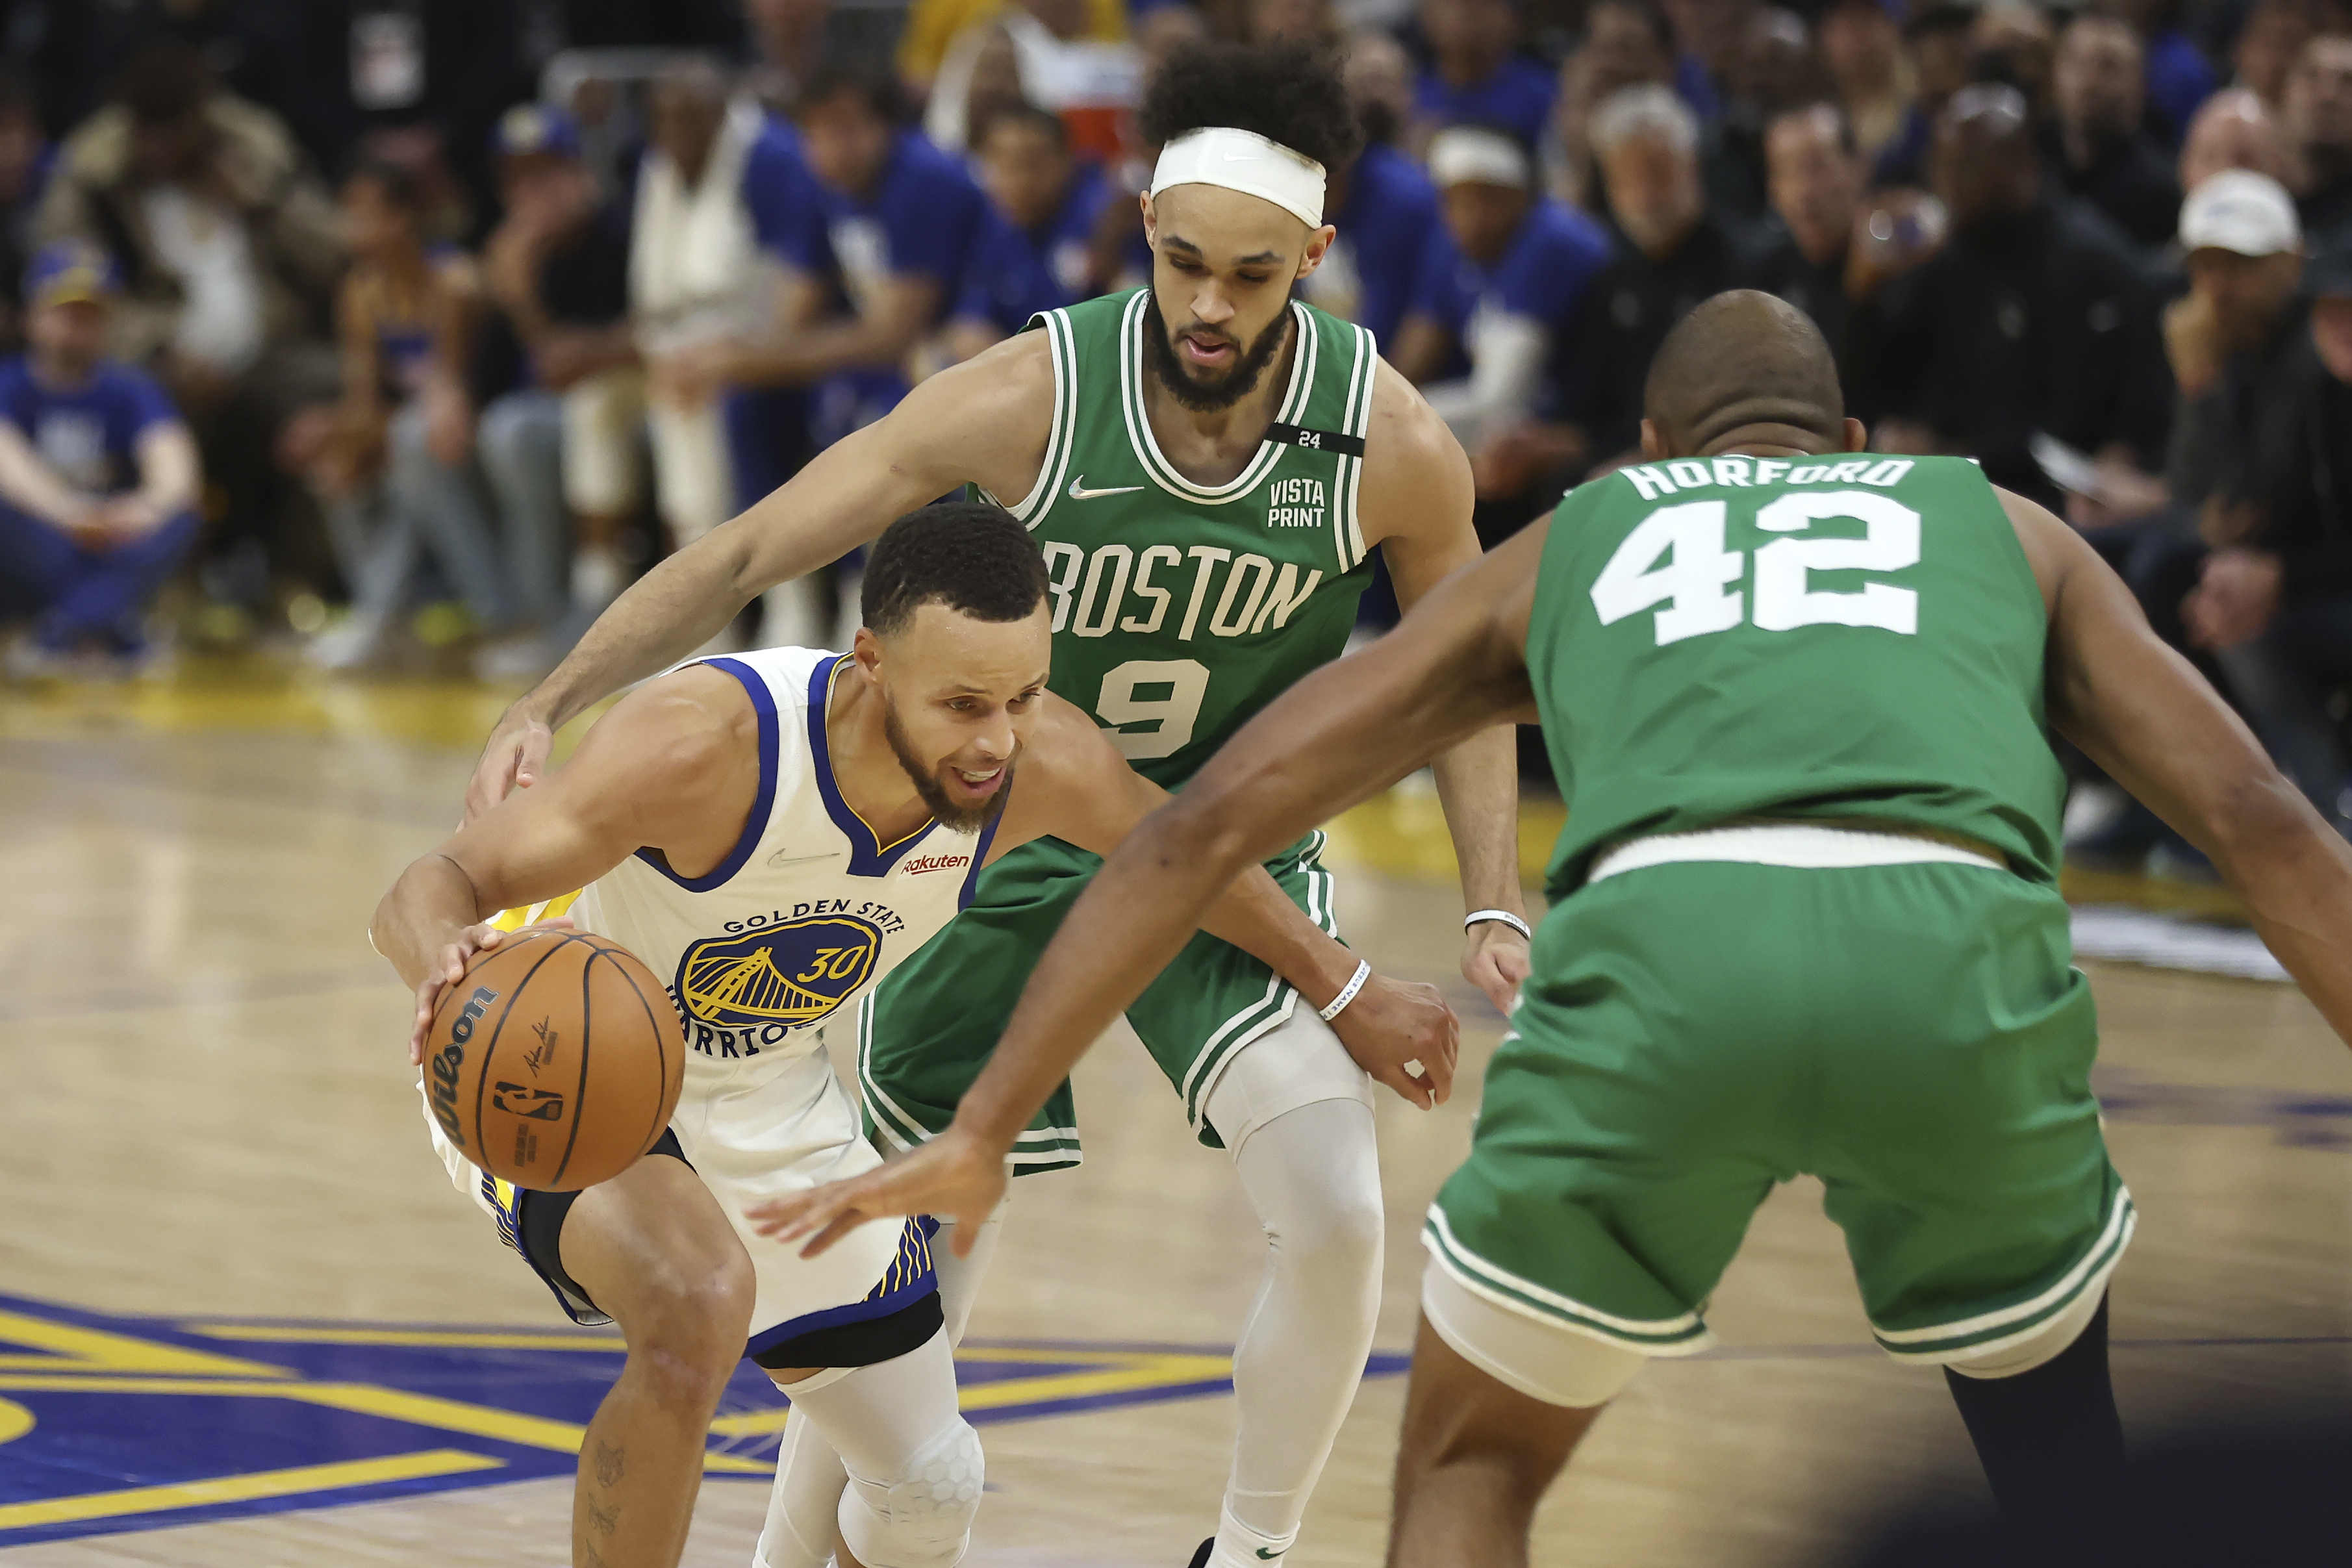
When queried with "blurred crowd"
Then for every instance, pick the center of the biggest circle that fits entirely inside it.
(380, 323)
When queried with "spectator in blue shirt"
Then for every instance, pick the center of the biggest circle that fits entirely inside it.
(98, 475)
(879, 260)
(1473, 76)
(1382, 205)
(1508, 268)
(1034, 251)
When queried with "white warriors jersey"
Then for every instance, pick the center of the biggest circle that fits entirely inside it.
(806, 912)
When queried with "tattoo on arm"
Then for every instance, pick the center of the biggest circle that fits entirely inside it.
(610, 1461)
(604, 1521)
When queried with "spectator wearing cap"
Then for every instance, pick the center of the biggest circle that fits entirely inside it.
(2262, 459)
(560, 451)
(1669, 254)
(1486, 338)
(1383, 205)
(1940, 37)
(1474, 74)
(876, 263)
(2094, 146)
(2317, 118)
(230, 250)
(390, 461)
(1034, 252)
(1816, 173)
(2031, 319)
(98, 475)
(2231, 130)
(1862, 45)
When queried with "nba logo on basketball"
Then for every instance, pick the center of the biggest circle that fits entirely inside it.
(740, 992)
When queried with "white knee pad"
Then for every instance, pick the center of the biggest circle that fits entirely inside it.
(922, 1519)
(1539, 1358)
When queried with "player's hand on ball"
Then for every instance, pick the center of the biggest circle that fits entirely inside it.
(956, 1175)
(449, 967)
(1494, 960)
(1394, 1027)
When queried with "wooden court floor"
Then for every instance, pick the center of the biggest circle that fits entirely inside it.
(244, 1321)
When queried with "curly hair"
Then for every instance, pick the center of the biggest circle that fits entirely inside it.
(1287, 92)
(971, 556)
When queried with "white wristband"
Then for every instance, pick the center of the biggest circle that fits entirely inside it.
(1347, 992)
(1505, 916)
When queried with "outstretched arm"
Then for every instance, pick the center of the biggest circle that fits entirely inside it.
(1420, 481)
(674, 767)
(1455, 667)
(2143, 713)
(1075, 786)
(982, 421)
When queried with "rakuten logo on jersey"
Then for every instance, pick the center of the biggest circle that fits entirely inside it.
(922, 863)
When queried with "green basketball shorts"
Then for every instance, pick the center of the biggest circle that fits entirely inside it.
(1916, 1036)
(924, 1033)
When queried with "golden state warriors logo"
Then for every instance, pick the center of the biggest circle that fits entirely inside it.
(788, 974)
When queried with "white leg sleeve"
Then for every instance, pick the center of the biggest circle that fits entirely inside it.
(913, 1462)
(806, 1499)
(1312, 1173)
(960, 1277)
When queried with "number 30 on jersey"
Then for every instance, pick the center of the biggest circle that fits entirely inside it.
(1677, 557)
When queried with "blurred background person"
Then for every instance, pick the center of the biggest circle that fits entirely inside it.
(25, 157)
(2318, 119)
(1774, 69)
(1486, 338)
(2028, 320)
(1817, 173)
(230, 249)
(561, 449)
(2094, 145)
(1476, 74)
(1669, 253)
(1383, 205)
(1862, 46)
(1626, 44)
(395, 480)
(1034, 251)
(1940, 39)
(98, 478)
(2231, 130)
(2268, 43)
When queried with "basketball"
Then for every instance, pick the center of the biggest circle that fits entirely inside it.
(555, 1062)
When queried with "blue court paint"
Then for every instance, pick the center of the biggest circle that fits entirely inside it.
(261, 1415)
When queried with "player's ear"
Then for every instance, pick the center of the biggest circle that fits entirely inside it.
(1653, 446)
(867, 651)
(1319, 245)
(1150, 220)
(1857, 435)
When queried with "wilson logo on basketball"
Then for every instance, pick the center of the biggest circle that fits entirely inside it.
(449, 1058)
(923, 863)
(740, 993)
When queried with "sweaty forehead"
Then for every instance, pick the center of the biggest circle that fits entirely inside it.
(1226, 225)
(942, 647)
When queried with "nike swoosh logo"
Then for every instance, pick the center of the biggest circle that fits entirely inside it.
(779, 860)
(1078, 490)
(1270, 1556)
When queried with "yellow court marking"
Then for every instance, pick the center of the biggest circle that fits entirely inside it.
(244, 1489)
(15, 1420)
(68, 1348)
(423, 1339)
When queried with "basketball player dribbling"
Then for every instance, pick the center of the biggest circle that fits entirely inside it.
(1805, 918)
(1209, 466)
(772, 834)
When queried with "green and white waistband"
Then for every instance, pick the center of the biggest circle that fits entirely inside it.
(1802, 845)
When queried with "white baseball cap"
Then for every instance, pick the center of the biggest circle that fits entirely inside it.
(2239, 210)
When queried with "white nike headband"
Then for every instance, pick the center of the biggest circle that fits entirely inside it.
(1246, 162)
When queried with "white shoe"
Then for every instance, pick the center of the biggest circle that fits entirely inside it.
(346, 647)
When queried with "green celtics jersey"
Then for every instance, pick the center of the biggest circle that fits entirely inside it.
(1180, 610)
(1842, 636)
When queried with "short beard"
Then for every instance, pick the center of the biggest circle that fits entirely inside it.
(944, 811)
(1208, 397)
